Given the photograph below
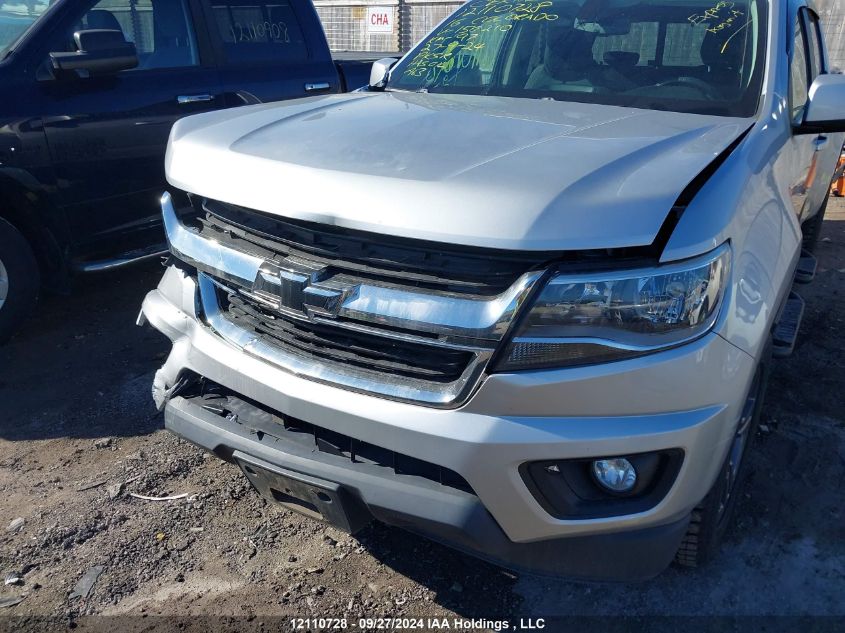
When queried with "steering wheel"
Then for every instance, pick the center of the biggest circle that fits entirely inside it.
(703, 87)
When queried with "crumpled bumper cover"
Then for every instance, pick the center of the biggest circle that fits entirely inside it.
(688, 398)
(454, 518)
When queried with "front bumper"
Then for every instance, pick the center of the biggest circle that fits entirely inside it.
(688, 398)
(456, 519)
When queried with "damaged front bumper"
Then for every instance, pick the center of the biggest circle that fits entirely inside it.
(630, 407)
(450, 516)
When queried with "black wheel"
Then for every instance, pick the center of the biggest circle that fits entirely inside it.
(711, 518)
(20, 279)
(812, 228)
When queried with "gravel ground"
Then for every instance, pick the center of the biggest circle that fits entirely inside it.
(80, 434)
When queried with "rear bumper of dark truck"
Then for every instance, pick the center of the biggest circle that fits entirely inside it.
(445, 514)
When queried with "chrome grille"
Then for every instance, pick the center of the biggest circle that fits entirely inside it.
(391, 317)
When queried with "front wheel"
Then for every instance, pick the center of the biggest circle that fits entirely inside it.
(711, 518)
(19, 280)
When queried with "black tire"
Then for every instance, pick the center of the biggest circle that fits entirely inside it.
(712, 517)
(19, 270)
(812, 228)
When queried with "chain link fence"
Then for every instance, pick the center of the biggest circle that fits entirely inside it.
(389, 26)
(420, 16)
(348, 28)
(832, 14)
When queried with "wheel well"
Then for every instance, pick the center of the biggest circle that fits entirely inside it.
(17, 208)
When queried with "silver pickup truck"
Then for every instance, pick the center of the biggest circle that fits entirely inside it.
(521, 294)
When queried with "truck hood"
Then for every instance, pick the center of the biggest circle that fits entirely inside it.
(480, 171)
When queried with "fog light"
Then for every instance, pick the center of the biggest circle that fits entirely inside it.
(617, 474)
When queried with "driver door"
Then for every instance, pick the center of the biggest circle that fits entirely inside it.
(811, 155)
(107, 134)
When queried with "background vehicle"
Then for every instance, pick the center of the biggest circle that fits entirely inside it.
(83, 132)
(532, 312)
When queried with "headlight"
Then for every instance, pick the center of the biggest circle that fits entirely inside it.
(582, 319)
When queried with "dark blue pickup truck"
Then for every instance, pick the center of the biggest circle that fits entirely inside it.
(89, 90)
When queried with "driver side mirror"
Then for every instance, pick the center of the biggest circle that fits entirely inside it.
(825, 107)
(379, 71)
(99, 52)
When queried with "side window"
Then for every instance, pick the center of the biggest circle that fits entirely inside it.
(15, 18)
(798, 78)
(256, 31)
(160, 29)
(814, 41)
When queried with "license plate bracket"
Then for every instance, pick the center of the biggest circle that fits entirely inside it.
(305, 494)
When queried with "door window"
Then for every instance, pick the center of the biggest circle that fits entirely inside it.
(15, 19)
(254, 31)
(160, 29)
(814, 41)
(798, 74)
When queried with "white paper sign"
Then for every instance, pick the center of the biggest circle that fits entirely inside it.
(380, 20)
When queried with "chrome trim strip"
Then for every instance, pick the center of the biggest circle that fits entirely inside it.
(447, 395)
(102, 265)
(486, 318)
(185, 99)
(204, 254)
(364, 328)
(605, 342)
(442, 342)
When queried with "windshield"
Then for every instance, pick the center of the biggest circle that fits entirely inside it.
(15, 18)
(681, 55)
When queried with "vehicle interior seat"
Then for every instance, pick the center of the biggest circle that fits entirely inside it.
(568, 63)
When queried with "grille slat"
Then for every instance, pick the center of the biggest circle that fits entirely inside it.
(377, 354)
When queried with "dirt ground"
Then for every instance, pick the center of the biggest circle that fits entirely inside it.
(79, 433)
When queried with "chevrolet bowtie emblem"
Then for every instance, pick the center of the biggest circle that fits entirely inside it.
(295, 286)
